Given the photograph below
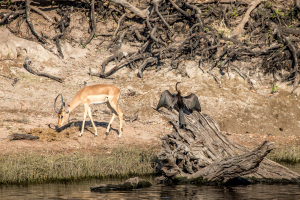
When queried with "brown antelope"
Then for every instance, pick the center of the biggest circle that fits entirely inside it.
(94, 94)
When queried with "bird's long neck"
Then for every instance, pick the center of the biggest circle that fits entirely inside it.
(180, 103)
(178, 91)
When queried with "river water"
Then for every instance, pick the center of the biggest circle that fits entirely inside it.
(81, 190)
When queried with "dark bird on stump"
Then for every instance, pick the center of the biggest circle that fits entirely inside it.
(170, 101)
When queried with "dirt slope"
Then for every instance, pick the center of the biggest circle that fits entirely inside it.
(246, 116)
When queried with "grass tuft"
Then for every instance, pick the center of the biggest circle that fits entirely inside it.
(286, 154)
(221, 27)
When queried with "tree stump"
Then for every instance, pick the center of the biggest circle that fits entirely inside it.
(202, 152)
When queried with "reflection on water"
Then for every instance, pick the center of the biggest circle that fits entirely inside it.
(82, 191)
(295, 168)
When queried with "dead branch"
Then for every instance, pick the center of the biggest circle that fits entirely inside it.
(240, 28)
(135, 10)
(27, 10)
(39, 11)
(148, 61)
(6, 17)
(156, 4)
(35, 72)
(94, 25)
(119, 24)
(58, 36)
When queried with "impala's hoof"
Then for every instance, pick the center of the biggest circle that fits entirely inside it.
(79, 135)
(96, 135)
(106, 133)
(119, 136)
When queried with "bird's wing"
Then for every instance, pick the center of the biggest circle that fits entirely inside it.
(192, 102)
(166, 100)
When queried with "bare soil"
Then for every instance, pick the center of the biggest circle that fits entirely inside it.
(246, 116)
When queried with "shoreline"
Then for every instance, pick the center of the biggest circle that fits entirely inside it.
(123, 161)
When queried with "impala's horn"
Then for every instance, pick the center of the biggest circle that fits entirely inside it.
(62, 104)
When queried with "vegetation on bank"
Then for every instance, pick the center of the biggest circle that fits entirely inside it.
(120, 162)
(286, 154)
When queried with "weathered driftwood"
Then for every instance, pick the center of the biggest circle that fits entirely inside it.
(35, 72)
(202, 152)
(19, 136)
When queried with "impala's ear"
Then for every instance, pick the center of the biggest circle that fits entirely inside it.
(67, 109)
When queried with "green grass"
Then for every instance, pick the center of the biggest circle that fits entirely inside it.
(25, 168)
(286, 154)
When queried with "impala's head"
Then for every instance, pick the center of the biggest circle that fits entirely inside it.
(62, 112)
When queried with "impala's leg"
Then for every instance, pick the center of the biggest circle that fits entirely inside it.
(90, 116)
(109, 125)
(121, 120)
(114, 105)
(86, 108)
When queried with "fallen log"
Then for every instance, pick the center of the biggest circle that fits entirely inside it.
(201, 153)
(19, 136)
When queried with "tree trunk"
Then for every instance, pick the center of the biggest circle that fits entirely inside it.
(201, 151)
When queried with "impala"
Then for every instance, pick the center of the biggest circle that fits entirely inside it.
(94, 94)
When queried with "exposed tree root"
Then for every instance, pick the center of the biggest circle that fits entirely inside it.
(62, 27)
(39, 11)
(27, 10)
(193, 30)
(94, 26)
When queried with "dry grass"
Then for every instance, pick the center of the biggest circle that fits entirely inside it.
(221, 27)
(50, 135)
(40, 168)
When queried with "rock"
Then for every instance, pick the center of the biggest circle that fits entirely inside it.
(105, 187)
(161, 179)
(11, 47)
(132, 183)
(136, 183)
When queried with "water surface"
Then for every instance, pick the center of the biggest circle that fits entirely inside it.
(81, 190)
